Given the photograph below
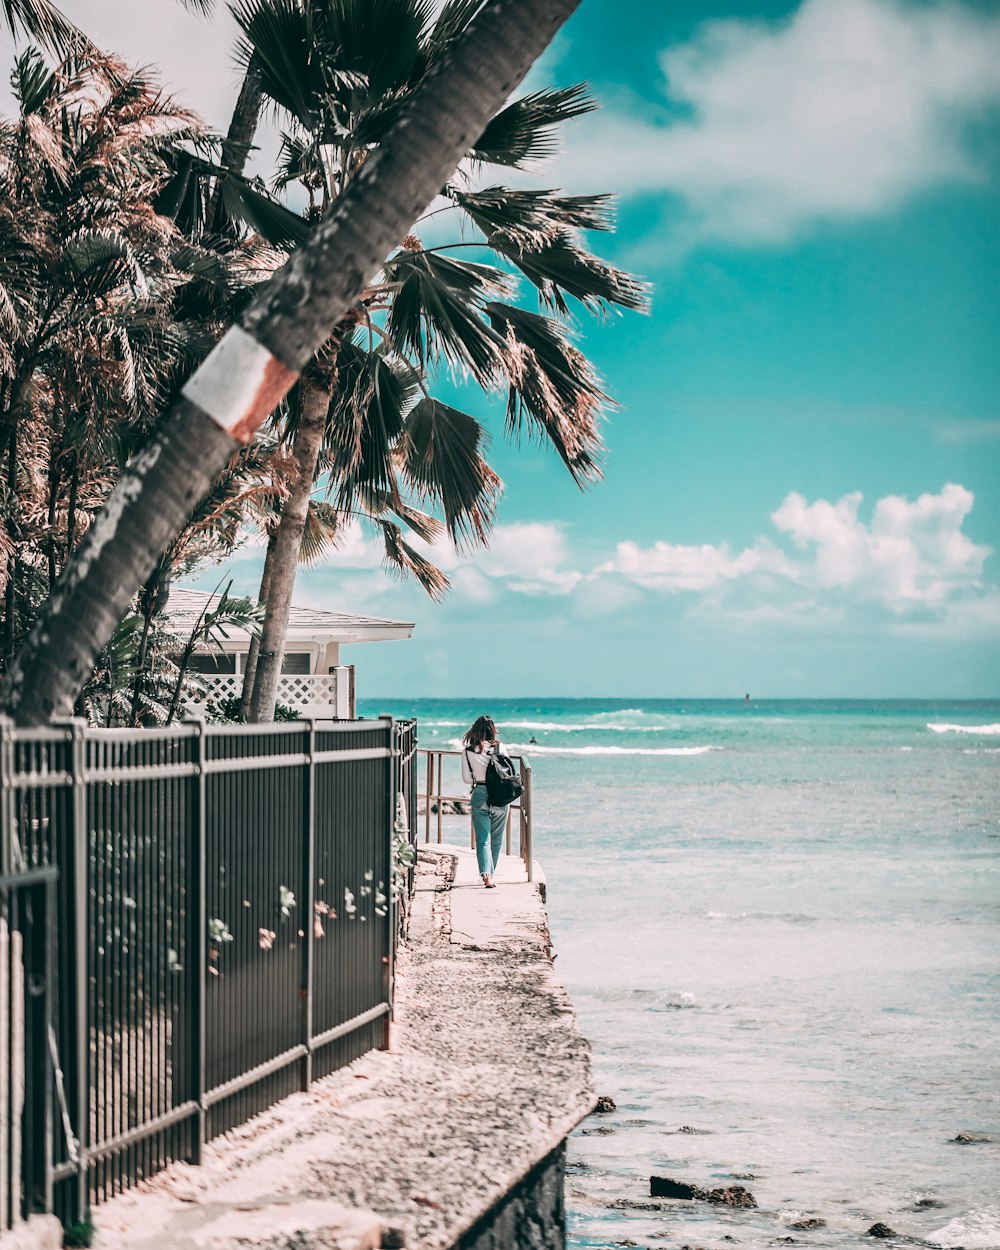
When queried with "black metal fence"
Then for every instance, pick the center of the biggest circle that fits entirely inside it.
(223, 930)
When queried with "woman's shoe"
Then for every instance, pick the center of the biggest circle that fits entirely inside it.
(490, 883)
(486, 879)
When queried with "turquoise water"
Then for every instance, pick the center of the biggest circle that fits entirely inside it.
(779, 926)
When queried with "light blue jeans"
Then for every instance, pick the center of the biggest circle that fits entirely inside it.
(489, 824)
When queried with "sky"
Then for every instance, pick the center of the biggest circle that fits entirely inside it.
(801, 493)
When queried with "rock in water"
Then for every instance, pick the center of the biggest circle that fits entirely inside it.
(731, 1196)
(965, 1138)
(605, 1104)
(881, 1230)
(809, 1222)
(664, 1187)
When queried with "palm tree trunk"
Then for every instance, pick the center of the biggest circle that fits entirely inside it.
(250, 666)
(239, 139)
(258, 362)
(314, 406)
(10, 596)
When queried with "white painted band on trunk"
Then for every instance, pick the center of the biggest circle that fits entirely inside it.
(227, 384)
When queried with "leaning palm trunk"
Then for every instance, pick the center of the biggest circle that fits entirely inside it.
(314, 405)
(257, 363)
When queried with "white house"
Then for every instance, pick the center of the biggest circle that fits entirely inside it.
(314, 679)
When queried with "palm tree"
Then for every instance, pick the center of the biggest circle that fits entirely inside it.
(338, 72)
(86, 274)
(103, 307)
(284, 327)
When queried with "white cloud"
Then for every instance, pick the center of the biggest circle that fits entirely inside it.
(842, 111)
(666, 566)
(908, 567)
(911, 560)
(911, 554)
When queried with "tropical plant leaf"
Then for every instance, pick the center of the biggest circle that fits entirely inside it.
(440, 455)
(368, 406)
(437, 311)
(42, 20)
(275, 223)
(100, 261)
(564, 267)
(279, 38)
(379, 40)
(455, 15)
(402, 558)
(525, 130)
(322, 531)
(32, 82)
(526, 220)
(554, 392)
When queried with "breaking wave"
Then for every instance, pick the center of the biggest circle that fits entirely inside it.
(940, 728)
(534, 748)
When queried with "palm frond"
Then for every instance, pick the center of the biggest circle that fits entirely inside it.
(554, 392)
(275, 223)
(42, 20)
(322, 531)
(440, 456)
(437, 310)
(380, 40)
(455, 15)
(526, 220)
(368, 406)
(525, 130)
(32, 82)
(279, 37)
(564, 267)
(402, 559)
(100, 261)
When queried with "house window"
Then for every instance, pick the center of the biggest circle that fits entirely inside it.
(295, 664)
(212, 662)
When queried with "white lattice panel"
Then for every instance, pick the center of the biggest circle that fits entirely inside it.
(314, 695)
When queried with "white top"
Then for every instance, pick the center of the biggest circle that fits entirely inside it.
(474, 764)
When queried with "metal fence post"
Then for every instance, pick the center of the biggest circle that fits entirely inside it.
(8, 822)
(527, 852)
(309, 897)
(198, 940)
(79, 849)
(392, 781)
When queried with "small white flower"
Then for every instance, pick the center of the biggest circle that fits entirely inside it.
(218, 930)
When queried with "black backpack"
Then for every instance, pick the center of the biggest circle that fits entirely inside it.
(503, 785)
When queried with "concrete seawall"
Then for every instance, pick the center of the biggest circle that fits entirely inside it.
(454, 1137)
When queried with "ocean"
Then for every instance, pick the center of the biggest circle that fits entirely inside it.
(780, 927)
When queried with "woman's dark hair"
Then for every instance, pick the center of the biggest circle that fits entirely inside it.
(483, 730)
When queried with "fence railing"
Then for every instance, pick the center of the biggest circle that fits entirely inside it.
(223, 928)
(444, 785)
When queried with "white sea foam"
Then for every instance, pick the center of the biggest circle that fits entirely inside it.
(942, 728)
(533, 748)
(978, 1230)
(548, 726)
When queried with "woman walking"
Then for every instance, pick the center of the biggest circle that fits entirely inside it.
(489, 823)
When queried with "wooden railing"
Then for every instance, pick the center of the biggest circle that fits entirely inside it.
(434, 796)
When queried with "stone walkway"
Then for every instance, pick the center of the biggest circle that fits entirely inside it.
(486, 1075)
